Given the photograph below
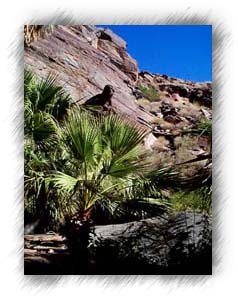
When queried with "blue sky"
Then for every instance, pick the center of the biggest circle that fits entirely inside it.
(182, 51)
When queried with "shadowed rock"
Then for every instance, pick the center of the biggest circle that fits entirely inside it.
(175, 244)
(102, 99)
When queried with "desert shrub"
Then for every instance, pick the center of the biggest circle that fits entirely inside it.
(198, 200)
(162, 123)
(33, 32)
(205, 127)
(184, 153)
(144, 103)
(150, 93)
(161, 144)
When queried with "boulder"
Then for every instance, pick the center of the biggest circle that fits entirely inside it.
(176, 244)
(168, 244)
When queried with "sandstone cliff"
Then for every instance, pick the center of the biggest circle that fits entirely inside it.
(86, 58)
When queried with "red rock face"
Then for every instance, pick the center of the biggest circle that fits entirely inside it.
(85, 59)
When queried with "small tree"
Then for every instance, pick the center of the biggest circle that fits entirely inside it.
(103, 166)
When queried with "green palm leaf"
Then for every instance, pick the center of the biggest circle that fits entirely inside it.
(83, 133)
(64, 182)
(122, 135)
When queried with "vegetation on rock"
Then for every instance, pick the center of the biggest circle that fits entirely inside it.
(150, 93)
(85, 168)
(75, 161)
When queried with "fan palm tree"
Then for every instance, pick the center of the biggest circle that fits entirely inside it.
(102, 166)
(45, 104)
(102, 158)
(91, 161)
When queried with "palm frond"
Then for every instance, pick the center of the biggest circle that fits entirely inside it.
(83, 133)
(122, 135)
(46, 95)
(64, 182)
(52, 97)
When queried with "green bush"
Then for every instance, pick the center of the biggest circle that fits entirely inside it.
(150, 93)
(198, 200)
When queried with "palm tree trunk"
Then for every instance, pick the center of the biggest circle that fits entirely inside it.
(42, 211)
(77, 230)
